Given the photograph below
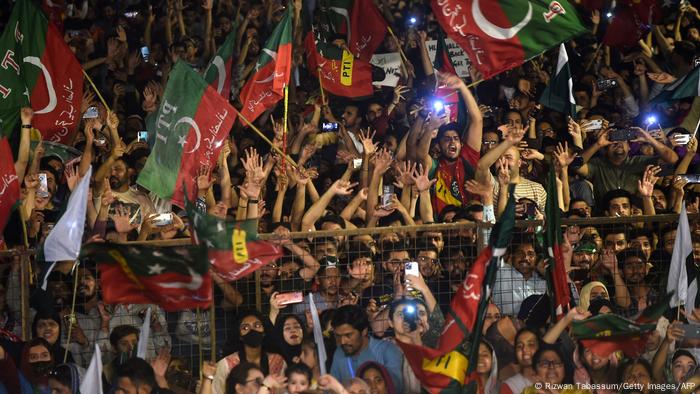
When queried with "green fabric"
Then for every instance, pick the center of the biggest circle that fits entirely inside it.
(606, 177)
(216, 233)
(146, 261)
(558, 95)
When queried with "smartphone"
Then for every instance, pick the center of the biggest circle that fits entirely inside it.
(91, 113)
(691, 331)
(131, 14)
(290, 298)
(163, 219)
(577, 162)
(43, 189)
(411, 268)
(605, 84)
(100, 141)
(593, 125)
(145, 53)
(622, 135)
(329, 126)
(388, 191)
(73, 33)
(691, 178)
(142, 136)
(356, 163)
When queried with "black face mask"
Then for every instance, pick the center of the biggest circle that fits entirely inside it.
(253, 339)
(41, 368)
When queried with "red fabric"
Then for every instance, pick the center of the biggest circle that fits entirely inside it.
(367, 29)
(562, 295)
(260, 254)
(9, 183)
(625, 29)
(451, 176)
(9, 375)
(633, 347)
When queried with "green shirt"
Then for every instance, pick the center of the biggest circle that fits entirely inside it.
(605, 176)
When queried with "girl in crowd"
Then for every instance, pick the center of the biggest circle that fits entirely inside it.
(35, 364)
(487, 367)
(47, 325)
(377, 378)
(527, 343)
(552, 371)
(247, 378)
(288, 334)
(298, 378)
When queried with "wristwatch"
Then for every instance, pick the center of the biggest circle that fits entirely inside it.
(209, 377)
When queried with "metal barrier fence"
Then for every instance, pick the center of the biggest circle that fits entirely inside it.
(365, 266)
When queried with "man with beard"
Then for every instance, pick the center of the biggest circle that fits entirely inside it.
(519, 279)
(328, 281)
(633, 264)
(269, 283)
(616, 169)
(91, 325)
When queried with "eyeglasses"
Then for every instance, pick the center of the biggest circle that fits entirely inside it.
(246, 327)
(257, 381)
(550, 364)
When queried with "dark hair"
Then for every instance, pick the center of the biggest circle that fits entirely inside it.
(356, 250)
(138, 371)
(531, 331)
(627, 253)
(120, 332)
(239, 375)
(298, 368)
(629, 364)
(353, 315)
(641, 232)
(568, 368)
(613, 194)
(454, 126)
(46, 315)
(423, 245)
(331, 219)
(67, 375)
(616, 230)
(389, 247)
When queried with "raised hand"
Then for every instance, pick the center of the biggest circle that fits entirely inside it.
(662, 78)
(399, 91)
(382, 161)
(31, 181)
(253, 165)
(369, 147)
(342, 188)
(575, 132)
(404, 171)
(595, 17)
(204, 179)
(26, 114)
(112, 120)
(481, 189)
(421, 180)
(72, 177)
(693, 145)
(531, 154)
(646, 184)
(161, 362)
(450, 81)
(561, 154)
(122, 221)
(503, 172)
(515, 134)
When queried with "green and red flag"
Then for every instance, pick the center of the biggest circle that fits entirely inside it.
(9, 183)
(559, 93)
(690, 87)
(218, 72)
(558, 282)
(440, 369)
(499, 35)
(38, 69)
(191, 125)
(341, 74)
(174, 278)
(367, 29)
(233, 248)
(607, 333)
(272, 71)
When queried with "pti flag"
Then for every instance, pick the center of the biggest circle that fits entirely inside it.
(448, 367)
(38, 69)
(9, 184)
(272, 70)
(233, 248)
(499, 35)
(559, 95)
(218, 72)
(191, 125)
(340, 72)
(556, 271)
(367, 29)
(690, 87)
(682, 253)
(175, 278)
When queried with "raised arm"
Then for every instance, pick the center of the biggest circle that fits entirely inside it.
(423, 185)
(382, 162)
(339, 187)
(26, 114)
(515, 135)
(476, 123)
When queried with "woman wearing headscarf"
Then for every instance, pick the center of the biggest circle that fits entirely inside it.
(36, 363)
(377, 378)
(487, 368)
(591, 291)
(289, 333)
(47, 325)
(65, 378)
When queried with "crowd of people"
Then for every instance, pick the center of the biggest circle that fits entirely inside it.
(395, 160)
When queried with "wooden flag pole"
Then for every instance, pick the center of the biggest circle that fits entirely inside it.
(284, 130)
(257, 131)
(320, 85)
(96, 91)
(212, 327)
(199, 340)
(72, 319)
(403, 55)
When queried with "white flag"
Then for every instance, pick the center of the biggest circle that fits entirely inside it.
(677, 275)
(318, 335)
(142, 346)
(63, 242)
(92, 381)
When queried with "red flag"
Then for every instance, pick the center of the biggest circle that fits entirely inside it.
(9, 183)
(625, 29)
(559, 284)
(435, 370)
(341, 74)
(367, 29)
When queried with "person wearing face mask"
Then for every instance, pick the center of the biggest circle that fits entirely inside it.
(591, 291)
(251, 333)
(36, 363)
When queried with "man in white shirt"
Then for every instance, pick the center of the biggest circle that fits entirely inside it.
(518, 279)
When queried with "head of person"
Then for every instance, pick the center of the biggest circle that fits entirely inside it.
(251, 329)
(512, 158)
(590, 291)
(333, 222)
(64, 379)
(178, 374)
(668, 239)
(600, 306)
(292, 330)
(534, 312)
(616, 239)
(87, 285)
(550, 365)
(489, 140)
(124, 339)
(450, 141)
(592, 233)
(514, 118)
(376, 377)
(636, 372)
(37, 361)
(395, 255)
(309, 355)
(643, 240)
(524, 258)
(527, 342)
(245, 378)
(582, 95)
(407, 315)
(122, 174)
(47, 325)
(617, 151)
(428, 259)
(325, 246)
(351, 329)
(682, 363)
(580, 207)
(634, 266)
(485, 361)
(659, 199)
(328, 276)
(298, 378)
(375, 109)
(584, 255)
(359, 262)
(617, 203)
(591, 360)
(356, 386)
(351, 116)
(493, 315)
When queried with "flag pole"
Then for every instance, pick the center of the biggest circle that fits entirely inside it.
(72, 319)
(96, 91)
(259, 133)
(284, 130)
(403, 55)
(212, 327)
(320, 85)
(199, 340)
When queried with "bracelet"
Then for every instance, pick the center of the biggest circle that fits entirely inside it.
(26, 126)
(253, 201)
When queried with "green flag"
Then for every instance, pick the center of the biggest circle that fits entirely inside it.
(218, 72)
(690, 87)
(558, 95)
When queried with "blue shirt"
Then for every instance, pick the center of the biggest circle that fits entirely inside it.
(382, 352)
